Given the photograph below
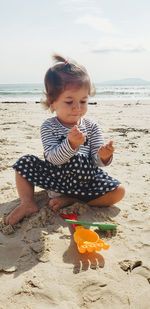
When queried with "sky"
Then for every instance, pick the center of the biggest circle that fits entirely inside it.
(111, 38)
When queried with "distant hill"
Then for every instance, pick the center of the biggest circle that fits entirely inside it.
(127, 82)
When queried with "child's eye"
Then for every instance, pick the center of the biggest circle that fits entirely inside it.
(83, 102)
(69, 102)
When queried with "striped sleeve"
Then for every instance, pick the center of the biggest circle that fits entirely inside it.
(55, 152)
(97, 141)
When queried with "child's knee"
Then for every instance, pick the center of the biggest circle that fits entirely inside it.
(120, 192)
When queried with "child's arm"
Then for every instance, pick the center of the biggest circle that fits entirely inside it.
(101, 154)
(55, 151)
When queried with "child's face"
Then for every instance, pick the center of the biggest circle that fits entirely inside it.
(71, 105)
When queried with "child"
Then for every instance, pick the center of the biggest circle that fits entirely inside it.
(74, 149)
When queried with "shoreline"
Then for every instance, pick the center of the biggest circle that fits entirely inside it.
(91, 101)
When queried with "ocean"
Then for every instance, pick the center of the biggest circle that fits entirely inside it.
(34, 92)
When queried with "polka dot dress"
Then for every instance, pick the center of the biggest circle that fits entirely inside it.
(77, 178)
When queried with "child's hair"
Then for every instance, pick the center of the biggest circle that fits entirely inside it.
(62, 75)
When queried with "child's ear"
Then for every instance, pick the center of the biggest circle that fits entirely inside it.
(52, 109)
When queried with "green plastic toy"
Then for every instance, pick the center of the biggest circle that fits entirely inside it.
(101, 226)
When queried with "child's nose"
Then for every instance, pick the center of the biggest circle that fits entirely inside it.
(76, 105)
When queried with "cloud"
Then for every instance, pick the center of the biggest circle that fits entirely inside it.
(98, 23)
(111, 44)
(86, 6)
(119, 50)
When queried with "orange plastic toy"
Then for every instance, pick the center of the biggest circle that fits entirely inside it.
(86, 240)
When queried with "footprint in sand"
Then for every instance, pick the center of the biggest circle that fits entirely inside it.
(34, 295)
(28, 300)
(100, 293)
(143, 271)
(10, 251)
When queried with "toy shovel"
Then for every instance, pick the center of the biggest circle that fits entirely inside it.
(86, 240)
(101, 226)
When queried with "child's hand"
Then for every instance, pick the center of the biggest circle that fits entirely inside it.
(76, 137)
(105, 152)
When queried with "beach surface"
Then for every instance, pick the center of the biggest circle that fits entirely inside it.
(40, 266)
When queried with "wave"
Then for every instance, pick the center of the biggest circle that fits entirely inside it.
(34, 92)
(3, 92)
(127, 92)
(108, 92)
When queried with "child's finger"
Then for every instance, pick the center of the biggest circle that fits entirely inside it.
(101, 148)
(74, 128)
(110, 146)
(76, 134)
(110, 143)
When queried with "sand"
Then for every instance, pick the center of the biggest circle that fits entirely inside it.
(40, 266)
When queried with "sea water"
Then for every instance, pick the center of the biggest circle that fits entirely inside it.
(35, 92)
(21, 92)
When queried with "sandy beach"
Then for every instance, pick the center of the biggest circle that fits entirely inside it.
(40, 266)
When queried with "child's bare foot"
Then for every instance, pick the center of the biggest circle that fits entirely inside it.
(21, 211)
(61, 201)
